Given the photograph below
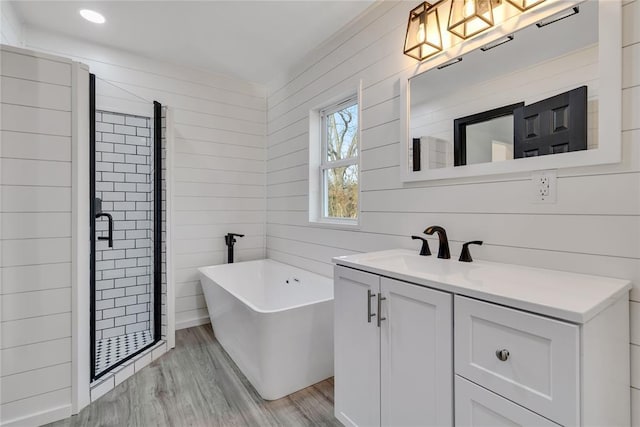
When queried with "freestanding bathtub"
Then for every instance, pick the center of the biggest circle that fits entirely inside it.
(274, 320)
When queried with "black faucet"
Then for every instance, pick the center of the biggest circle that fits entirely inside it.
(230, 240)
(443, 249)
(424, 251)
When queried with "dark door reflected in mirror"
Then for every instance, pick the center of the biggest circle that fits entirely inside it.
(484, 137)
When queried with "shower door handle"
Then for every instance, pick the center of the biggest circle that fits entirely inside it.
(110, 236)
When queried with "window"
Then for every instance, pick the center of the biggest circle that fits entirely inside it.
(339, 175)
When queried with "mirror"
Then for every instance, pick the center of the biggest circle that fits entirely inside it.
(485, 137)
(474, 96)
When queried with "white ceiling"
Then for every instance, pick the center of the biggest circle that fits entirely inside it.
(251, 40)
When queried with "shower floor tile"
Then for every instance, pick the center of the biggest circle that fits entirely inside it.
(110, 351)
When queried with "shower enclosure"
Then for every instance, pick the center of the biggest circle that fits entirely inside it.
(126, 234)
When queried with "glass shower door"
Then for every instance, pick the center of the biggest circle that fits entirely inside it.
(124, 298)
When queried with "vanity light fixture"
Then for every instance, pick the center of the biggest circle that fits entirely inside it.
(497, 43)
(470, 17)
(558, 17)
(92, 16)
(423, 37)
(523, 5)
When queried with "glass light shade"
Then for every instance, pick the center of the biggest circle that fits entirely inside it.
(423, 37)
(470, 17)
(523, 5)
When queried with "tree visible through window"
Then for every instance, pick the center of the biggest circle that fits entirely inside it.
(339, 166)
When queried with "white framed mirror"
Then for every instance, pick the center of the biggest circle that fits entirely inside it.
(529, 65)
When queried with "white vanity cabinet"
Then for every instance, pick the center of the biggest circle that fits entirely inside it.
(429, 342)
(393, 346)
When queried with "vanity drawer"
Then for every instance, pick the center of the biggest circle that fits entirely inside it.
(478, 407)
(539, 367)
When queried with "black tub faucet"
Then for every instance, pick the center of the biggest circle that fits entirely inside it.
(230, 240)
(443, 249)
(424, 251)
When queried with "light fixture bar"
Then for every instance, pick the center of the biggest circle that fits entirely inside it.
(450, 63)
(497, 43)
(559, 17)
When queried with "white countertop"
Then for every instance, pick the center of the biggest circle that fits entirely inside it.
(569, 296)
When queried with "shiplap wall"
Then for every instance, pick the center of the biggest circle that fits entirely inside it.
(35, 234)
(220, 126)
(593, 228)
(10, 25)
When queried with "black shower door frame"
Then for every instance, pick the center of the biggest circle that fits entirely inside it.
(157, 230)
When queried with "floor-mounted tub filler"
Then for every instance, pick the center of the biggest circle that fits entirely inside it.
(274, 320)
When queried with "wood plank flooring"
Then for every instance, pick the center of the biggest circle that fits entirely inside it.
(197, 384)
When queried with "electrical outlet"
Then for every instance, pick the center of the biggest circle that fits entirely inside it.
(544, 186)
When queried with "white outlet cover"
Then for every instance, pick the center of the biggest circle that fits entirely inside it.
(544, 186)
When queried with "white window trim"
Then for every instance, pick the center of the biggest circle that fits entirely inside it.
(318, 163)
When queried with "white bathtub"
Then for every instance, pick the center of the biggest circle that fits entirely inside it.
(274, 320)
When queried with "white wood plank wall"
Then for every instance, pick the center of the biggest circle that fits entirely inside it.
(594, 227)
(220, 126)
(35, 235)
(10, 25)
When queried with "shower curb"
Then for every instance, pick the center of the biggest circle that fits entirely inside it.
(104, 385)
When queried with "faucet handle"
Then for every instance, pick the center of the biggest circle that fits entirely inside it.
(230, 238)
(424, 251)
(465, 255)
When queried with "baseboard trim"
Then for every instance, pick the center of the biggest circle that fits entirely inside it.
(192, 322)
(40, 418)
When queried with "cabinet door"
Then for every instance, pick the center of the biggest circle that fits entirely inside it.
(478, 407)
(416, 355)
(357, 348)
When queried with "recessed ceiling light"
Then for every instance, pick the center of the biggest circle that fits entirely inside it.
(92, 16)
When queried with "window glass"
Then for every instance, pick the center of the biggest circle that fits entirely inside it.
(342, 192)
(339, 168)
(342, 133)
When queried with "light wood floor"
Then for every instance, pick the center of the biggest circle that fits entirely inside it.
(197, 384)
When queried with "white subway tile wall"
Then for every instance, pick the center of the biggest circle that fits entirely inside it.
(124, 287)
(124, 306)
